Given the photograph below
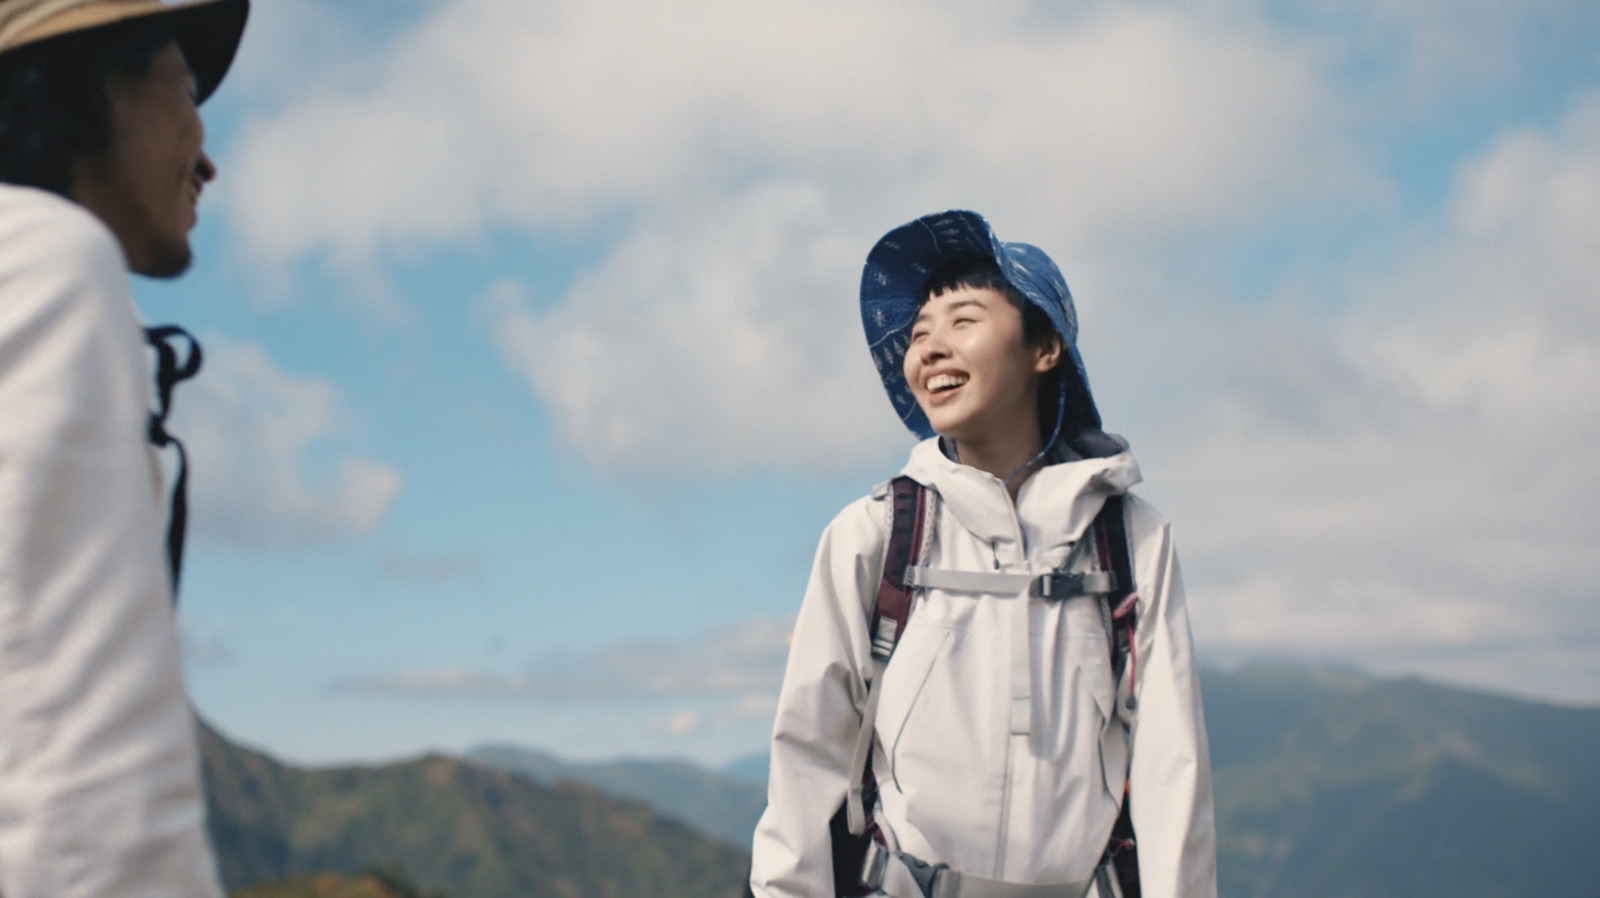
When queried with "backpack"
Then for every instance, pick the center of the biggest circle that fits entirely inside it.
(857, 854)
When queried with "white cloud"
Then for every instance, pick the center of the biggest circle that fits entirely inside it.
(744, 661)
(1398, 475)
(1414, 53)
(254, 434)
(686, 722)
(752, 153)
(1410, 482)
(293, 47)
(499, 112)
(717, 338)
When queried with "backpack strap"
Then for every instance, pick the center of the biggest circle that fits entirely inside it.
(1118, 874)
(1111, 536)
(169, 372)
(910, 529)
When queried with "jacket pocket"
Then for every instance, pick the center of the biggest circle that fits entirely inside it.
(903, 680)
(1089, 655)
(1089, 652)
(949, 735)
(1077, 730)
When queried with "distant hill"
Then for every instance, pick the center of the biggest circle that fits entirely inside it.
(1329, 784)
(716, 804)
(468, 830)
(332, 885)
(752, 769)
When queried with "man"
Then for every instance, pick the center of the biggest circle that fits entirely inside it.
(994, 647)
(101, 165)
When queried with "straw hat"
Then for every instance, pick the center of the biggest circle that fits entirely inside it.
(208, 31)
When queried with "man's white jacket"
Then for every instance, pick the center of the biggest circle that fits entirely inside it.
(958, 786)
(99, 778)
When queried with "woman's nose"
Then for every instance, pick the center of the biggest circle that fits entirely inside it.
(932, 347)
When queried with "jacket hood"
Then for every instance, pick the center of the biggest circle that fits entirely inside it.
(1054, 506)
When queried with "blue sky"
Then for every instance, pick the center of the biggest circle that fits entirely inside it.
(534, 371)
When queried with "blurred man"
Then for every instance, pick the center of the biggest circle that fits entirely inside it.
(101, 165)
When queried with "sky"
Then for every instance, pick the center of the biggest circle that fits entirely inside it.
(534, 367)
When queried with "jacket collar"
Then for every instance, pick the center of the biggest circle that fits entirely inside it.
(1055, 505)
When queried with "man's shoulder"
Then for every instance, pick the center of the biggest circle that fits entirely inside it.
(39, 228)
(62, 273)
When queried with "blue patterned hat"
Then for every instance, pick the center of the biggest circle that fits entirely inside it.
(894, 285)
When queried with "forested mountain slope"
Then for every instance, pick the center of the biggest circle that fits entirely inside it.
(469, 830)
(1329, 784)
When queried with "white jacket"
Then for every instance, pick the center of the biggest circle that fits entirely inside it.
(956, 786)
(99, 776)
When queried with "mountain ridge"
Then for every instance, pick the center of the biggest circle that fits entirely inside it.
(1328, 779)
(451, 825)
(712, 802)
(1329, 784)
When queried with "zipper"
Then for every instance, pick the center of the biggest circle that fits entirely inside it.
(1011, 740)
(1005, 811)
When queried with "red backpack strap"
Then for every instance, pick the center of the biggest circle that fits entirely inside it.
(852, 828)
(909, 529)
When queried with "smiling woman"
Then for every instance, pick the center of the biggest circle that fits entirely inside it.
(985, 363)
(1025, 652)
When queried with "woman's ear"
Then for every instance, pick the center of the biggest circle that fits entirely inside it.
(1048, 354)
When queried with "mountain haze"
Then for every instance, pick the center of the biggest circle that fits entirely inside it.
(1332, 784)
(471, 831)
(715, 803)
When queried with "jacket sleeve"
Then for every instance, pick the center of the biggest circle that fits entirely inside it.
(1170, 776)
(819, 711)
(99, 778)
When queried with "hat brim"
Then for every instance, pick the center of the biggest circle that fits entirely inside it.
(207, 31)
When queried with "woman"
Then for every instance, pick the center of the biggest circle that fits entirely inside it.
(998, 746)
